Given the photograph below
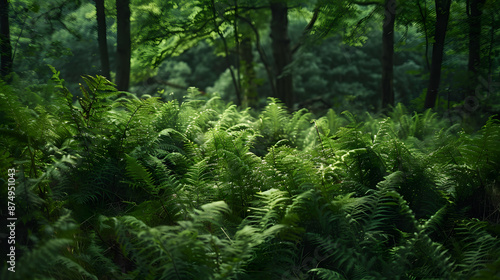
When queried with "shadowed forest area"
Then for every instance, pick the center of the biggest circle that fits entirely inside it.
(235, 139)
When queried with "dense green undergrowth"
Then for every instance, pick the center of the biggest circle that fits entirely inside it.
(116, 187)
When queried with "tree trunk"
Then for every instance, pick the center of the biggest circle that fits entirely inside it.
(423, 15)
(234, 77)
(474, 16)
(282, 52)
(442, 16)
(249, 86)
(388, 54)
(262, 55)
(123, 48)
(5, 46)
(102, 38)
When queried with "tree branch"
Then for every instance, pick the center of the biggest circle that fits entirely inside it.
(366, 3)
(226, 49)
(262, 54)
(307, 30)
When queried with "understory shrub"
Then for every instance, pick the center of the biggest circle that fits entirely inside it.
(110, 186)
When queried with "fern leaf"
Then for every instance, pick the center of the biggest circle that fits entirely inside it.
(327, 274)
(139, 173)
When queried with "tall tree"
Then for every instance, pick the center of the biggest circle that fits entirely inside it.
(5, 46)
(387, 47)
(281, 51)
(123, 48)
(249, 85)
(474, 13)
(441, 26)
(388, 54)
(234, 76)
(102, 38)
(262, 54)
(423, 17)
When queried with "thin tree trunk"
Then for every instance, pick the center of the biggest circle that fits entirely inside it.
(102, 38)
(235, 79)
(249, 86)
(5, 46)
(424, 21)
(442, 16)
(388, 54)
(262, 55)
(238, 52)
(282, 52)
(490, 49)
(123, 48)
(475, 8)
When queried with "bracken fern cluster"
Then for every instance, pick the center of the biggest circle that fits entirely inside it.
(111, 186)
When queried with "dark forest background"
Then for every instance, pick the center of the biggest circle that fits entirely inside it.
(356, 55)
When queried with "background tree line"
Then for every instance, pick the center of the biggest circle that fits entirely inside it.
(361, 55)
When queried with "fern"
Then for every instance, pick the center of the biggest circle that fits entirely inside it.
(52, 257)
(204, 190)
(479, 247)
(272, 224)
(326, 274)
(139, 174)
(375, 236)
(290, 170)
(190, 250)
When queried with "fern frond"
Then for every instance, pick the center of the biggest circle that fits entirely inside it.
(273, 119)
(186, 251)
(99, 86)
(139, 173)
(326, 274)
(479, 247)
(296, 127)
(41, 260)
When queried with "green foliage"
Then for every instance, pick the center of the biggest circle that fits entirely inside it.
(117, 187)
(183, 185)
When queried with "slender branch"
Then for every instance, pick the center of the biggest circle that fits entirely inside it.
(359, 24)
(166, 52)
(366, 3)
(262, 54)
(183, 30)
(307, 30)
(490, 50)
(247, 8)
(424, 20)
(226, 50)
(18, 38)
(72, 32)
(237, 42)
